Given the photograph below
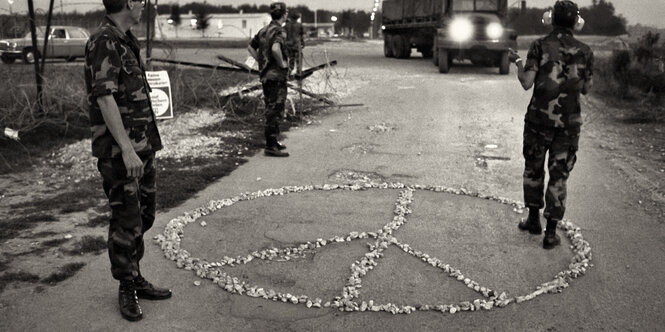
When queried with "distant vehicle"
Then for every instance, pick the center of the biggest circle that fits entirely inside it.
(66, 42)
(447, 29)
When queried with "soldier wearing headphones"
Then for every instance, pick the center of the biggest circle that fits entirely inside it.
(559, 67)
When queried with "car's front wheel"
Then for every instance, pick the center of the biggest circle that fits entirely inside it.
(29, 55)
(7, 60)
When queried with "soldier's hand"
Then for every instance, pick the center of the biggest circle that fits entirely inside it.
(512, 55)
(133, 164)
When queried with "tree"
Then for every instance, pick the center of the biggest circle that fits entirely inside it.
(602, 20)
(175, 18)
(202, 21)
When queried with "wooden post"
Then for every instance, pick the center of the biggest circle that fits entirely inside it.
(33, 32)
(299, 71)
(148, 46)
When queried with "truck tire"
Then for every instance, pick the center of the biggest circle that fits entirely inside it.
(444, 61)
(387, 46)
(397, 47)
(7, 60)
(504, 64)
(29, 55)
(427, 53)
(406, 47)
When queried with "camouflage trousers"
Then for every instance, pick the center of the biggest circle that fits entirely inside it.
(274, 93)
(132, 203)
(294, 57)
(562, 146)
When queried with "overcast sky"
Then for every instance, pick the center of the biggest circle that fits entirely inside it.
(646, 12)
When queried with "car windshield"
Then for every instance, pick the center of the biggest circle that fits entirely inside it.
(475, 5)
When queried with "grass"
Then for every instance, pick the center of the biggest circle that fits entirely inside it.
(631, 86)
(10, 228)
(89, 244)
(65, 272)
(86, 194)
(40, 235)
(97, 221)
(20, 276)
(54, 242)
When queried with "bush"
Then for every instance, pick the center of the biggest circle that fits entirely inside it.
(637, 74)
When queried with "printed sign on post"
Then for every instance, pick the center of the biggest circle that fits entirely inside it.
(160, 96)
(251, 63)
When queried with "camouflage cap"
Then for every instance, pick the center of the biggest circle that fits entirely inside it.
(278, 8)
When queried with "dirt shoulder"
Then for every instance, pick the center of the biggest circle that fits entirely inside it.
(634, 146)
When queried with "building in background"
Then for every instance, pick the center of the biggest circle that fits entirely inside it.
(231, 26)
(321, 30)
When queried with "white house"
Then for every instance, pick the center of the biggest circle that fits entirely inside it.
(232, 26)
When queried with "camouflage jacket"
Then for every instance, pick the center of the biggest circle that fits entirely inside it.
(562, 65)
(294, 34)
(113, 66)
(262, 43)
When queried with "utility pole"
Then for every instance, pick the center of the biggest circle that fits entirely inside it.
(33, 33)
(11, 2)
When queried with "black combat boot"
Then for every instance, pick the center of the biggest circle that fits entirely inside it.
(280, 146)
(272, 148)
(129, 303)
(551, 240)
(148, 291)
(532, 223)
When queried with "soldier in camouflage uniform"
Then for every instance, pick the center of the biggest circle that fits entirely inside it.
(295, 42)
(268, 47)
(560, 67)
(124, 139)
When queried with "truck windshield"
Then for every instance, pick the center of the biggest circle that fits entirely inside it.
(475, 5)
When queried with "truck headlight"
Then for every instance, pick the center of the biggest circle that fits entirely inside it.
(494, 30)
(461, 29)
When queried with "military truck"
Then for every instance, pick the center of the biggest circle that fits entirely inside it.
(449, 29)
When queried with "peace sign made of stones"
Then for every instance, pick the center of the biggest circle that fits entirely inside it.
(380, 240)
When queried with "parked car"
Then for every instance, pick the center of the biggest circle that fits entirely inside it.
(65, 42)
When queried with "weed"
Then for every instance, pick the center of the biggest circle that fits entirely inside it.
(89, 244)
(19, 276)
(54, 242)
(97, 221)
(66, 271)
(85, 195)
(39, 235)
(9, 228)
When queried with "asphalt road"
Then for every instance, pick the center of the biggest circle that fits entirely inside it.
(460, 130)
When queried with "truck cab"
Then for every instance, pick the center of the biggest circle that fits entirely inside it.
(474, 30)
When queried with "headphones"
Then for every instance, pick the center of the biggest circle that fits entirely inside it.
(547, 20)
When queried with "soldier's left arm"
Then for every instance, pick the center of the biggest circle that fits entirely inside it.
(253, 46)
(588, 75)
